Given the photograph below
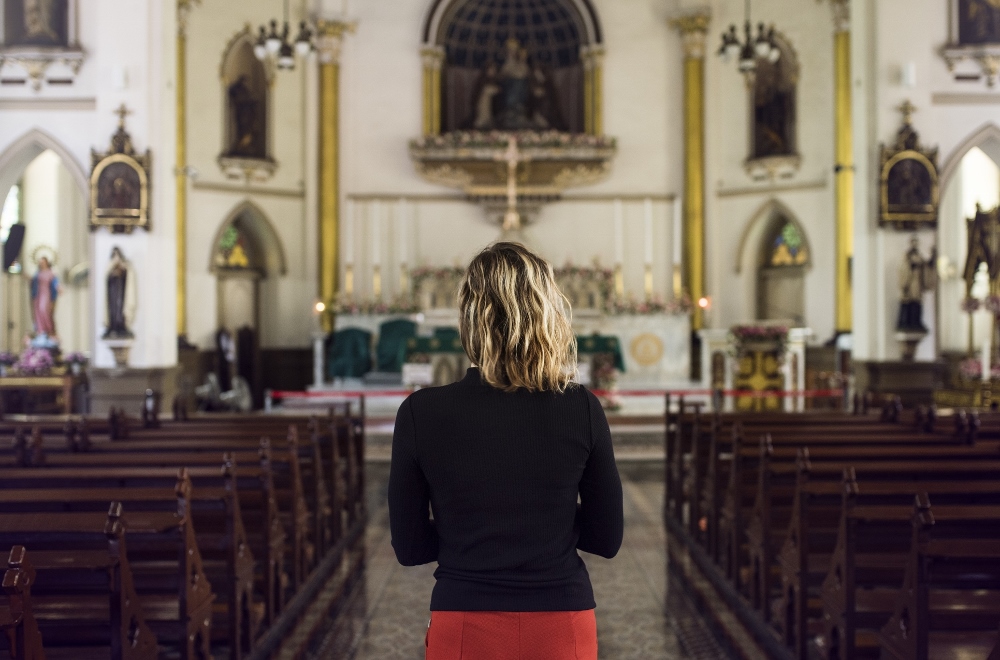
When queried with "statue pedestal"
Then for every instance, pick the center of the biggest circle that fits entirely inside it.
(908, 341)
(120, 348)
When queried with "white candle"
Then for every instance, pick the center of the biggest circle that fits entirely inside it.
(376, 233)
(648, 222)
(619, 233)
(349, 233)
(402, 220)
(985, 359)
(678, 236)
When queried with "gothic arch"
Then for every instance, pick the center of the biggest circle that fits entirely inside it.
(270, 252)
(584, 8)
(986, 137)
(25, 149)
(757, 228)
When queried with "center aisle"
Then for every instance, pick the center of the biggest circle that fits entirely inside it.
(631, 590)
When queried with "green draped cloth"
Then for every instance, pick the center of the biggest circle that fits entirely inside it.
(348, 353)
(390, 354)
(602, 344)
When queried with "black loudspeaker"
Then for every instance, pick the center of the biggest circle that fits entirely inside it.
(12, 248)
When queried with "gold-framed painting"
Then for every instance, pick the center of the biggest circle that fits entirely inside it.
(119, 185)
(909, 187)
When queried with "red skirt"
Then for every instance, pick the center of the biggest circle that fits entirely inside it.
(512, 636)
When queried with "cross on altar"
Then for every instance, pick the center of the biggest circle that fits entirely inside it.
(513, 157)
(122, 112)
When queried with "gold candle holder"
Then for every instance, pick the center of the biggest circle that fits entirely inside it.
(678, 283)
(619, 281)
(649, 281)
(349, 279)
(404, 280)
(377, 281)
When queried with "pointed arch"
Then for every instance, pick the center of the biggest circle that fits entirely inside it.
(584, 8)
(757, 229)
(986, 137)
(251, 218)
(25, 149)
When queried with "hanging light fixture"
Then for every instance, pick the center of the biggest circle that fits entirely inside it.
(274, 44)
(764, 46)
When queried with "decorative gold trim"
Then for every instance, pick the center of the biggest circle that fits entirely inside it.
(329, 185)
(129, 219)
(694, 184)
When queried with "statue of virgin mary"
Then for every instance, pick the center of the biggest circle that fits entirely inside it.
(121, 297)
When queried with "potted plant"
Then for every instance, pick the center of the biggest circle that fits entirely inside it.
(7, 360)
(36, 362)
(76, 361)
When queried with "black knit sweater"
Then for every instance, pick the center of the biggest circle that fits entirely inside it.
(517, 483)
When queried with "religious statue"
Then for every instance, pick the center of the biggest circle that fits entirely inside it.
(38, 21)
(774, 100)
(514, 82)
(121, 297)
(247, 116)
(917, 277)
(45, 291)
(486, 99)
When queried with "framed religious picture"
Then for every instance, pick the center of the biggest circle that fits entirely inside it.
(36, 23)
(976, 22)
(908, 180)
(119, 184)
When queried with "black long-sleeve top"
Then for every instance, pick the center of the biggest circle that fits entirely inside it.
(517, 482)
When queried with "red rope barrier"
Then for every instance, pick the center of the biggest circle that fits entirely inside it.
(354, 394)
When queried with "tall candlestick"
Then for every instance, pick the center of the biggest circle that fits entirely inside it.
(648, 222)
(402, 221)
(619, 233)
(376, 233)
(349, 233)
(677, 238)
(985, 358)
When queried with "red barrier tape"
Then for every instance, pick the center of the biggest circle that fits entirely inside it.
(355, 394)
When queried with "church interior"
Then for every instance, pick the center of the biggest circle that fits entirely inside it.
(233, 238)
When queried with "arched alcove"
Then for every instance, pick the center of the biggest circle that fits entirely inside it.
(246, 102)
(515, 64)
(43, 188)
(258, 238)
(774, 258)
(970, 176)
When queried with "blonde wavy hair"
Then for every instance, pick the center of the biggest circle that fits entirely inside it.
(515, 323)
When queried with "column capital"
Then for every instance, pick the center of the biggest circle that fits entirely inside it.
(330, 39)
(184, 8)
(841, 15)
(694, 31)
(432, 57)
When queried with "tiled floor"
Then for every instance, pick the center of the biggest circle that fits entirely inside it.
(638, 617)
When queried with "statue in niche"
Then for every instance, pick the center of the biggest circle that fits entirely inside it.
(518, 96)
(246, 109)
(45, 290)
(36, 23)
(917, 277)
(978, 21)
(121, 297)
(774, 110)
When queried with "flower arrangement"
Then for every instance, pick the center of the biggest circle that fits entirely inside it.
(422, 274)
(992, 305)
(500, 140)
(7, 358)
(741, 335)
(353, 306)
(653, 305)
(35, 362)
(971, 305)
(972, 369)
(75, 358)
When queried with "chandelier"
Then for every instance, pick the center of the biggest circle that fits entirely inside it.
(763, 47)
(275, 45)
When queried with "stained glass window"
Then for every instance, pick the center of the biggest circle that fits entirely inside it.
(232, 249)
(788, 248)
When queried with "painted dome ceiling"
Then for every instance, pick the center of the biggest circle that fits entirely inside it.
(476, 31)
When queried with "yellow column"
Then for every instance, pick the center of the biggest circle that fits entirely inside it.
(693, 31)
(844, 171)
(330, 36)
(433, 59)
(592, 58)
(180, 171)
(588, 92)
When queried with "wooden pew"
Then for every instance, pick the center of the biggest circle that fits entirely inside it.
(82, 600)
(227, 557)
(949, 604)
(17, 619)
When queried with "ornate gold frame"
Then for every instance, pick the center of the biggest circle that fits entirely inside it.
(907, 147)
(121, 151)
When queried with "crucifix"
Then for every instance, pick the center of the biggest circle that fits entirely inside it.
(122, 113)
(513, 157)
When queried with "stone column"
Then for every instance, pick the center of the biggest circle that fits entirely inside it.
(694, 29)
(433, 60)
(844, 168)
(593, 89)
(330, 35)
(180, 172)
